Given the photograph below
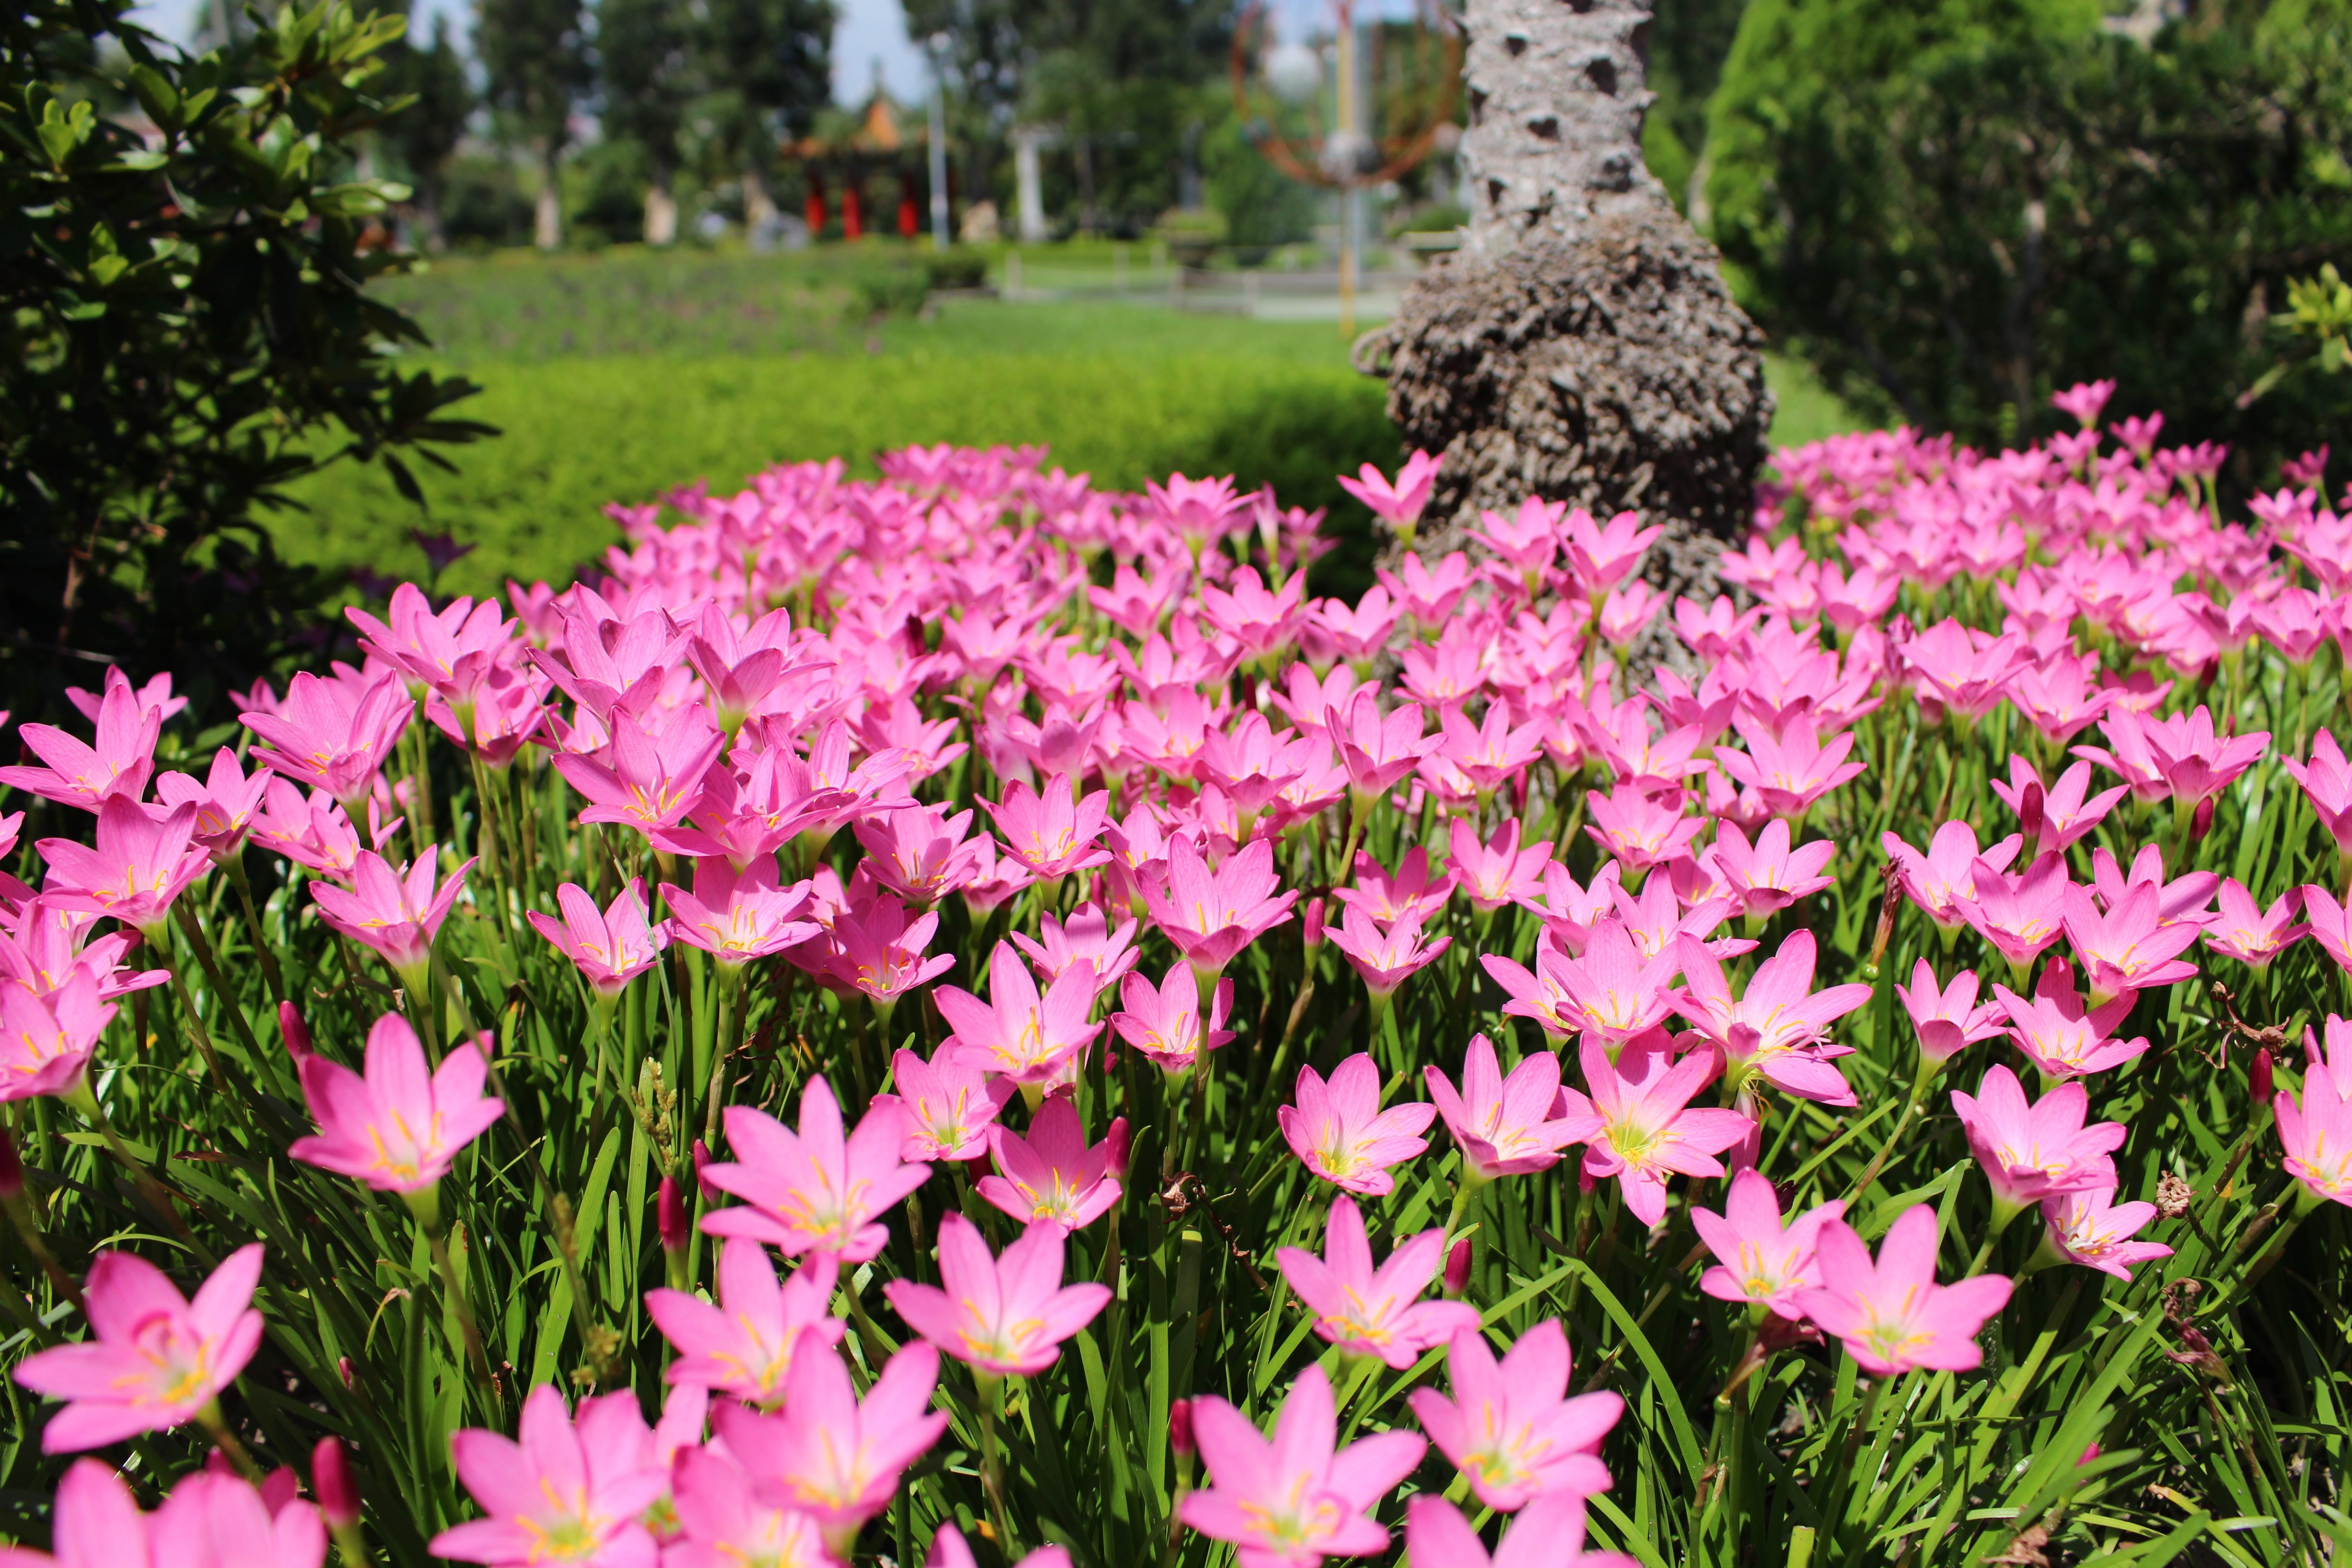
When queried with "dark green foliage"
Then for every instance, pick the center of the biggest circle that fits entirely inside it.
(646, 72)
(422, 137)
(534, 54)
(766, 69)
(1960, 207)
(186, 330)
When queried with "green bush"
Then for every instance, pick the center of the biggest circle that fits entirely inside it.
(956, 268)
(1956, 208)
(885, 290)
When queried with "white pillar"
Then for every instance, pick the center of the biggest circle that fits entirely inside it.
(1027, 185)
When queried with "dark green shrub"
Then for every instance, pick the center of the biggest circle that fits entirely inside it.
(955, 269)
(885, 290)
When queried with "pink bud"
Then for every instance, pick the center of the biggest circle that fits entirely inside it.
(701, 1163)
(216, 1463)
(1457, 1267)
(2201, 822)
(344, 1370)
(294, 1031)
(2088, 1455)
(1314, 924)
(12, 1170)
(1116, 1140)
(2030, 807)
(331, 1479)
(1180, 1425)
(669, 1210)
(2258, 1077)
(281, 1488)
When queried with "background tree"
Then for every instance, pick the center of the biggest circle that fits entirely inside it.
(536, 60)
(768, 66)
(422, 137)
(646, 73)
(187, 329)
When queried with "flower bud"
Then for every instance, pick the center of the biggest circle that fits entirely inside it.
(669, 1215)
(2202, 822)
(701, 1163)
(2258, 1077)
(331, 1482)
(1314, 924)
(1115, 1144)
(1180, 1425)
(2031, 808)
(1457, 1267)
(12, 1170)
(294, 1033)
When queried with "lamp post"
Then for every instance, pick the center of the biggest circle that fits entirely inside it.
(939, 141)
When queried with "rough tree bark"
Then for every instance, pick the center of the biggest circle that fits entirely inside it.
(1582, 346)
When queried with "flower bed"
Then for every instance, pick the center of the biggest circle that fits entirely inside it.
(967, 1018)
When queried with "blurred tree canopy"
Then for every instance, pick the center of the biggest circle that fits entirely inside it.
(185, 246)
(1954, 206)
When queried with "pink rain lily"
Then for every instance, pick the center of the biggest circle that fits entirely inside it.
(2065, 1036)
(2326, 781)
(2033, 1151)
(2251, 933)
(398, 914)
(1778, 1028)
(1790, 771)
(209, 1518)
(945, 1106)
(572, 1491)
(2128, 947)
(879, 953)
(745, 1344)
(1768, 876)
(649, 781)
(1892, 1316)
(146, 857)
(2084, 400)
(398, 1128)
(47, 1040)
(1963, 669)
(1213, 915)
(1491, 753)
(612, 946)
(2179, 757)
(1165, 1024)
(1339, 1132)
(2065, 816)
(1378, 751)
(1006, 1316)
(450, 650)
(1946, 1020)
(738, 916)
(2091, 1228)
(1616, 991)
(2314, 1131)
(1549, 1534)
(1370, 1311)
(334, 736)
(2330, 924)
(1641, 830)
(2020, 916)
(1412, 894)
(1293, 1501)
(87, 776)
(721, 1525)
(918, 852)
(1757, 1258)
(1638, 1123)
(1504, 1126)
(1053, 834)
(1599, 557)
(154, 1359)
(1031, 1039)
(224, 799)
(832, 1457)
(1511, 1428)
(1053, 1175)
(1087, 941)
(1541, 994)
(1944, 878)
(1399, 503)
(1386, 959)
(1498, 871)
(814, 1191)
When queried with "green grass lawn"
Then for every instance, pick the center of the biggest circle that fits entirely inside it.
(620, 375)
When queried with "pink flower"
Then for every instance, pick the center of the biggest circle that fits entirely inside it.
(833, 1457)
(814, 1191)
(86, 776)
(399, 1128)
(1892, 1316)
(1053, 834)
(47, 1040)
(1942, 881)
(1541, 995)
(2250, 933)
(2064, 1037)
(1756, 1259)
(1504, 1127)
(2082, 400)
(649, 781)
(2091, 1228)
(1948, 1020)
(1298, 1498)
(1616, 991)
(1638, 829)
(2020, 915)
(1399, 503)
(745, 1344)
(2066, 816)
(1213, 915)
(154, 1359)
(1962, 668)
(2315, 1133)
(2330, 923)
(612, 946)
(332, 734)
(146, 857)
(572, 1491)
(1054, 1175)
(1007, 1317)
(1498, 871)
(1599, 558)
(398, 914)
(1550, 1534)
(2130, 947)
(1029, 1039)
(880, 954)
(1790, 771)
(918, 852)
(738, 916)
(1377, 752)
(2031, 1151)
(1768, 876)
(1780, 1026)
(451, 650)
(1086, 941)
(1511, 1429)
(225, 800)
(1490, 754)
(1165, 1024)
(209, 1518)
(1412, 894)
(1638, 1125)
(2178, 758)
(721, 1525)
(2326, 781)
(1386, 959)
(946, 1106)
(1339, 1132)
(1372, 1311)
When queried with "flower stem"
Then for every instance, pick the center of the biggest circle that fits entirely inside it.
(454, 1292)
(210, 961)
(216, 1426)
(991, 1463)
(234, 866)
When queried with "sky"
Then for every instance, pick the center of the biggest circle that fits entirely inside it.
(871, 31)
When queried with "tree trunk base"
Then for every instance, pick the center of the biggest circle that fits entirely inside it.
(1608, 368)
